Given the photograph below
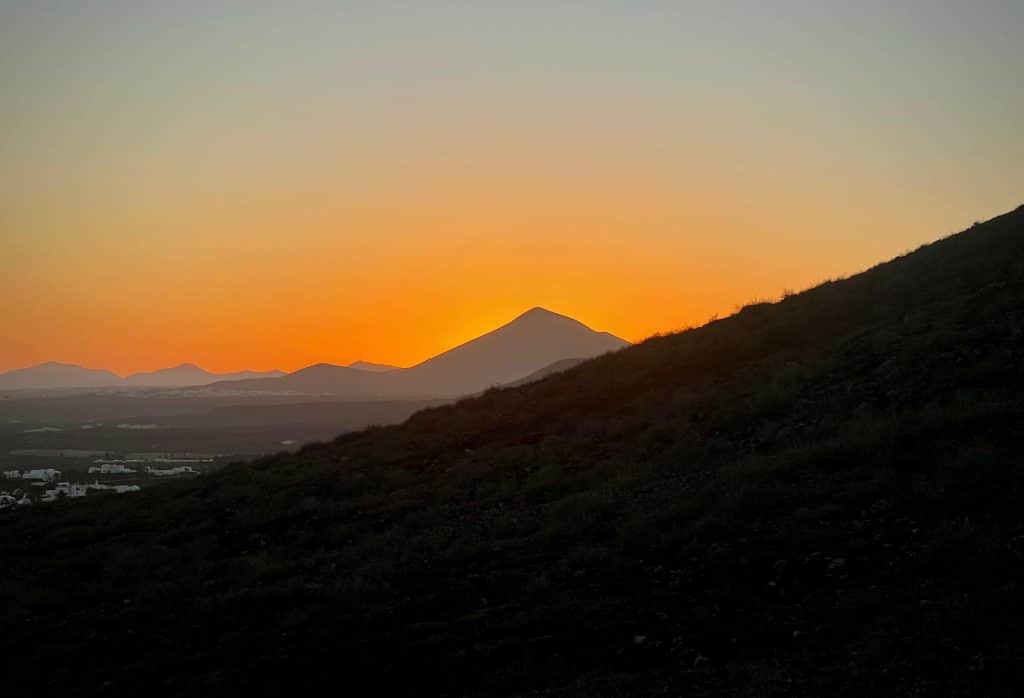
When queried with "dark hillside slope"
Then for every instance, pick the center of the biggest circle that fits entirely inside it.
(819, 497)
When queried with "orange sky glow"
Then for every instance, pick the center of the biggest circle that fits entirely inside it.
(280, 188)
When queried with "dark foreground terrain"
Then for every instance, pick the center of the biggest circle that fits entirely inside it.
(818, 497)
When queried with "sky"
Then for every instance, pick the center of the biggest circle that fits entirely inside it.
(272, 184)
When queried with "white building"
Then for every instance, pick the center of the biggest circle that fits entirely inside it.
(72, 490)
(180, 470)
(120, 489)
(12, 474)
(44, 474)
(110, 469)
(65, 489)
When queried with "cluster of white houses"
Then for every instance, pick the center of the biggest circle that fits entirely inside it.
(14, 499)
(69, 490)
(40, 475)
(50, 478)
(64, 489)
(45, 475)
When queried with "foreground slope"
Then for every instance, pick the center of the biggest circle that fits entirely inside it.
(815, 497)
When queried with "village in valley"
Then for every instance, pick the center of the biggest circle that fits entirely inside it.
(66, 447)
(23, 487)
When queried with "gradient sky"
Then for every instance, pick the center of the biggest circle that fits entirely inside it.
(269, 184)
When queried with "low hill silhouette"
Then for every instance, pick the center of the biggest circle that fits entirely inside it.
(57, 375)
(549, 370)
(816, 497)
(186, 375)
(371, 366)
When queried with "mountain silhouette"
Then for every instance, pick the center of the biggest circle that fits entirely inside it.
(532, 341)
(52, 375)
(188, 374)
(529, 343)
(322, 378)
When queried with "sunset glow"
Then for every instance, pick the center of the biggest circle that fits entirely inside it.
(237, 189)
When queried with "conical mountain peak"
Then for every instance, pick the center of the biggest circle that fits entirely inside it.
(537, 312)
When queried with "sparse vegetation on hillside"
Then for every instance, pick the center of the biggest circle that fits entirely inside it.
(815, 497)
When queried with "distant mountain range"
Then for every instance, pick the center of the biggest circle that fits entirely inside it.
(532, 342)
(529, 347)
(54, 375)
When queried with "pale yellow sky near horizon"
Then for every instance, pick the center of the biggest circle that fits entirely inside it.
(269, 185)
